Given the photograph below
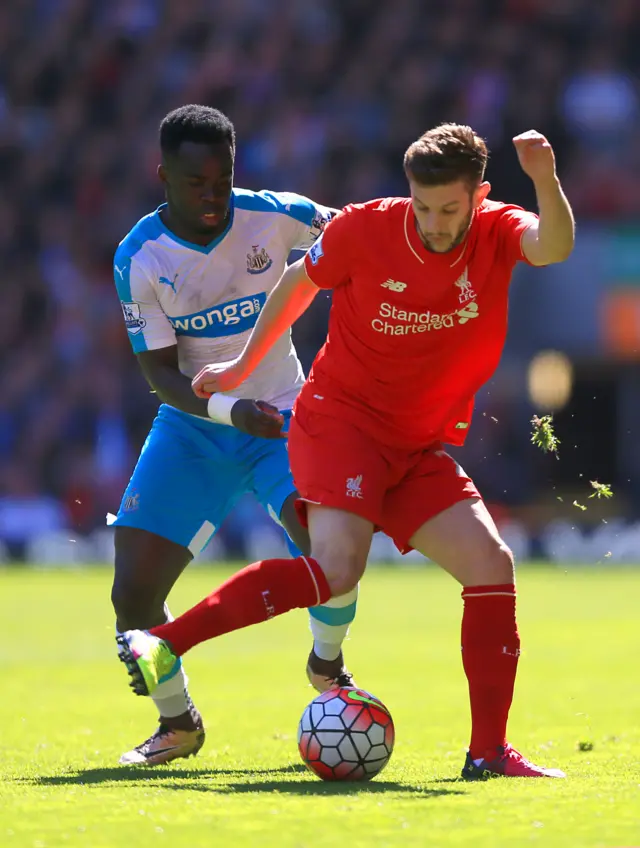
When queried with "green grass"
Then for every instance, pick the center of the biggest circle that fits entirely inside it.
(66, 714)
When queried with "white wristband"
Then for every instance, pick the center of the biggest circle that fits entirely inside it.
(219, 408)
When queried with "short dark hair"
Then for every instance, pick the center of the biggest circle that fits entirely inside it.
(446, 154)
(198, 124)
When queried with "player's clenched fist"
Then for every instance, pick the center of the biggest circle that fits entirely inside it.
(258, 418)
(535, 155)
(219, 377)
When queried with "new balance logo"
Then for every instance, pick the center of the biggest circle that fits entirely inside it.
(354, 487)
(394, 285)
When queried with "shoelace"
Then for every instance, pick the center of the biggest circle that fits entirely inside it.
(160, 733)
(345, 678)
(511, 753)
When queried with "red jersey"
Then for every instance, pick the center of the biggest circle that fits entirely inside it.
(412, 334)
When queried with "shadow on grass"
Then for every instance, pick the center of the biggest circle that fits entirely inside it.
(458, 779)
(319, 787)
(159, 774)
(268, 780)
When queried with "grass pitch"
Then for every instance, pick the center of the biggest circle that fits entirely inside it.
(66, 714)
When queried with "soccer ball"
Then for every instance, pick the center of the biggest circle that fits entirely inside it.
(346, 734)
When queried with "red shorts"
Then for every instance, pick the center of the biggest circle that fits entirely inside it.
(337, 465)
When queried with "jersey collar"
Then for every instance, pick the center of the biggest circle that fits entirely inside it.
(424, 256)
(201, 248)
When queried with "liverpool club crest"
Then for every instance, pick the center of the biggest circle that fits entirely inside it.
(466, 288)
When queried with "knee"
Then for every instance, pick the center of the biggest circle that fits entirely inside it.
(497, 566)
(343, 568)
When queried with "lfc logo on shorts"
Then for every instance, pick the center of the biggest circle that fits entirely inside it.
(354, 487)
(258, 262)
(466, 288)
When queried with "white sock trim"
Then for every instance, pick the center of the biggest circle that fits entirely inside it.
(313, 577)
(489, 594)
(170, 697)
(342, 600)
(170, 706)
(328, 651)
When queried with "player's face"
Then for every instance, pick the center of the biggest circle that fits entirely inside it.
(443, 213)
(198, 182)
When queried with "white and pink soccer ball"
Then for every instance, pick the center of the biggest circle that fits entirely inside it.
(346, 734)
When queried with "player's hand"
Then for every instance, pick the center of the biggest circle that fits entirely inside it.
(220, 377)
(536, 155)
(258, 418)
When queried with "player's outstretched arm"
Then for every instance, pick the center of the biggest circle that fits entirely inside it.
(289, 299)
(161, 370)
(553, 238)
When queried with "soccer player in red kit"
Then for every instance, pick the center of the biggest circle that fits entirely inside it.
(417, 325)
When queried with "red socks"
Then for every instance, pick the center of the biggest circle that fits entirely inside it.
(257, 593)
(490, 651)
(490, 641)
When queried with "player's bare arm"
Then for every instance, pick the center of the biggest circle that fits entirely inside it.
(552, 238)
(161, 370)
(291, 296)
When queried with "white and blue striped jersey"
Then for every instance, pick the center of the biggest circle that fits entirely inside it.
(207, 299)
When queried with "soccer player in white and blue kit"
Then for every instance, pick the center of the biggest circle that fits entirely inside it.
(192, 278)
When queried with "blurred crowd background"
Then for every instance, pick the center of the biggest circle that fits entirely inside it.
(325, 98)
